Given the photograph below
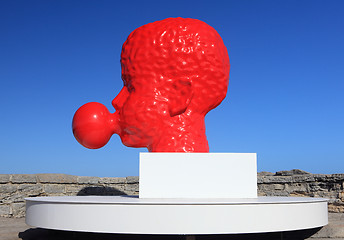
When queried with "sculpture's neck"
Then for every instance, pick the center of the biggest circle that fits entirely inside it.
(182, 134)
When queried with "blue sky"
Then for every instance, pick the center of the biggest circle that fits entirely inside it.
(285, 99)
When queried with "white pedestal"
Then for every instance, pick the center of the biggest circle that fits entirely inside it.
(198, 175)
(183, 193)
(125, 214)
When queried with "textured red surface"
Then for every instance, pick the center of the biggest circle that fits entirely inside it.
(174, 72)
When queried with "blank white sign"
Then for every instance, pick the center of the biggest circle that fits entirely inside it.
(198, 175)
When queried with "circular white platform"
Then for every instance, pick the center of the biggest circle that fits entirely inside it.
(130, 214)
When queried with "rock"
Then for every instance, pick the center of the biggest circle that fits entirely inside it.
(54, 188)
(131, 179)
(17, 197)
(335, 208)
(30, 189)
(4, 178)
(23, 178)
(5, 210)
(275, 179)
(18, 210)
(291, 172)
(74, 188)
(119, 187)
(112, 180)
(8, 188)
(338, 176)
(303, 178)
(57, 178)
(263, 173)
(130, 188)
(88, 180)
(278, 186)
(298, 188)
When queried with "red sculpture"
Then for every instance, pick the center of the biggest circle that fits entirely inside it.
(174, 72)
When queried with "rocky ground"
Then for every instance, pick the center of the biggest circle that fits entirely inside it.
(15, 228)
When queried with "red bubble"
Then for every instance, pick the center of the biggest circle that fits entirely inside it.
(93, 125)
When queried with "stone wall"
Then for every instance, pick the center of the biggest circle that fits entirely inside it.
(297, 183)
(15, 187)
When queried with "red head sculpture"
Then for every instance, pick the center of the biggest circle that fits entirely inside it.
(174, 72)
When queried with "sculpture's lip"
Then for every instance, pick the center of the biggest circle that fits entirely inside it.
(127, 131)
(115, 123)
(131, 130)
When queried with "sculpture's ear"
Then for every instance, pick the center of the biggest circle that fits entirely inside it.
(179, 96)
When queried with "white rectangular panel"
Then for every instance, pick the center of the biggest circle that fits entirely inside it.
(198, 175)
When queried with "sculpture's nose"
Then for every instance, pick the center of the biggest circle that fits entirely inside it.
(120, 99)
(93, 125)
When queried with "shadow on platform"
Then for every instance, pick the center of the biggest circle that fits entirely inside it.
(100, 191)
(44, 234)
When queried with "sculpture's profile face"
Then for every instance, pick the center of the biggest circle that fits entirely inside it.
(174, 72)
(139, 114)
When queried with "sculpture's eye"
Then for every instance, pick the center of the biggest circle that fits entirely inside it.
(130, 87)
(128, 83)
